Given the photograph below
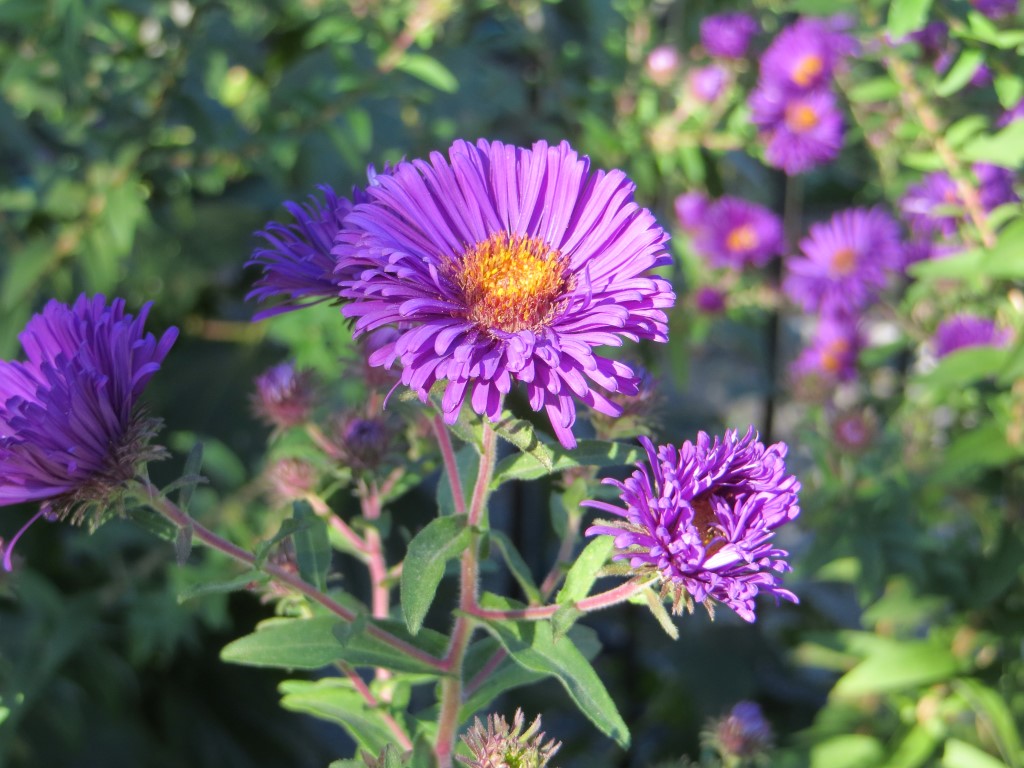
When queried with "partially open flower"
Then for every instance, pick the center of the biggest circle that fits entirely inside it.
(361, 443)
(742, 734)
(283, 396)
(502, 746)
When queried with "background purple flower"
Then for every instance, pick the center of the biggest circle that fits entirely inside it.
(706, 83)
(690, 208)
(995, 185)
(662, 63)
(832, 355)
(502, 264)
(966, 330)
(709, 300)
(736, 233)
(803, 56)
(284, 396)
(728, 35)
(1011, 115)
(70, 431)
(996, 9)
(799, 131)
(744, 733)
(845, 261)
(702, 517)
(933, 207)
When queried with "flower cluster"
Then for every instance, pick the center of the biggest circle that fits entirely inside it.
(500, 264)
(701, 518)
(70, 431)
(794, 106)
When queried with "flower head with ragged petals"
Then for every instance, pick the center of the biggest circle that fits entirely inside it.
(736, 233)
(728, 35)
(701, 518)
(70, 430)
(800, 131)
(966, 330)
(832, 355)
(297, 263)
(500, 264)
(845, 261)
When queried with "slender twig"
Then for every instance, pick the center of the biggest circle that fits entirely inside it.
(619, 594)
(323, 509)
(180, 518)
(915, 100)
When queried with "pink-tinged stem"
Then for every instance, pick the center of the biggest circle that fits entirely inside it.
(451, 686)
(364, 690)
(176, 515)
(450, 465)
(380, 595)
(321, 508)
(619, 594)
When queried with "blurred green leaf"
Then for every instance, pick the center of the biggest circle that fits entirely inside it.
(337, 701)
(429, 70)
(1005, 148)
(995, 718)
(848, 751)
(961, 72)
(960, 754)
(896, 666)
(906, 16)
(288, 644)
(588, 453)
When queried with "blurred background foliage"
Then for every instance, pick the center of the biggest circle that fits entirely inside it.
(143, 144)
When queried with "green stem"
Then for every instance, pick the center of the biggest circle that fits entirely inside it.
(451, 686)
(182, 520)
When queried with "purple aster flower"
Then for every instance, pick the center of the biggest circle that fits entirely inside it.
(283, 396)
(70, 433)
(662, 64)
(933, 38)
(803, 56)
(845, 262)
(736, 233)
(710, 301)
(503, 264)
(1011, 115)
(832, 355)
(800, 131)
(707, 83)
(995, 185)
(690, 208)
(965, 330)
(996, 9)
(728, 35)
(744, 733)
(701, 518)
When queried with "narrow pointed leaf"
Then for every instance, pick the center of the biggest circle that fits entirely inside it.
(312, 546)
(443, 539)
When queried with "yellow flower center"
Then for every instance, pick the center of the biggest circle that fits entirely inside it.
(510, 282)
(801, 117)
(832, 355)
(742, 238)
(808, 68)
(843, 261)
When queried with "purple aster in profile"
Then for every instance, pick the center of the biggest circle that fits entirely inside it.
(832, 355)
(736, 233)
(804, 55)
(71, 435)
(501, 264)
(728, 35)
(845, 261)
(701, 519)
(742, 734)
(996, 9)
(966, 330)
(800, 131)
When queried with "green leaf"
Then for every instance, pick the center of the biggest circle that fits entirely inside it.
(532, 645)
(960, 754)
(658, 610)
(504, 677)
(221, 462)
(898, 666)
(965, 366)
(1004, 260)
(906, 16)
(881, 88)
(443, 539)
(1009, 88)
(962, 266)
(336, 700)
(516, 565)
(429, 70)
(915, 749)
(965, 128)
(960, 73)
(848, 751)
(588, 453)
(361, 649)
(25, 269)
(1004, 148)
(241, 582)
(287, 643)
(312, 547)
(584, 571)
(523, 436)
(191, 475)
(996, 716)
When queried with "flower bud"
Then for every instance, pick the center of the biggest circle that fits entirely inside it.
(283, 396)
(501, 746)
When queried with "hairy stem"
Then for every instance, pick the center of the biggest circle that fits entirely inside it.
(450, 465)
(451, 686)
(619, 594)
